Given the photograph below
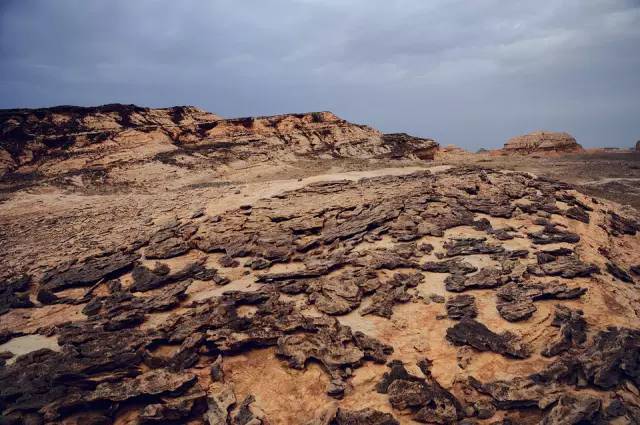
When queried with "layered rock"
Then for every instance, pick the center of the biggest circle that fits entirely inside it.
(30, 136)
(542, 141)
(34, 140)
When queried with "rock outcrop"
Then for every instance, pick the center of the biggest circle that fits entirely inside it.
(541, 142)
(36, 140)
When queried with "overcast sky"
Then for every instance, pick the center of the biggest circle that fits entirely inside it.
(472, 73)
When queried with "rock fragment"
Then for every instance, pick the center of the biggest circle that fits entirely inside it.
(428, 401)
(619, 273)
(13, 293)
(516, 299)
(572, 331)
(470, 246)
(485, 278)
(475, 334)
(105, 266)
(461, 306)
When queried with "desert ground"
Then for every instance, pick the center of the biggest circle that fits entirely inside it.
(305, 270)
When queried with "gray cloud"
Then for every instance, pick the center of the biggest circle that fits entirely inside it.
(469, 73)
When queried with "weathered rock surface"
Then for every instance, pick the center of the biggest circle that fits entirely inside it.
(461, 306)
(573, 329)
(89, 271)
(324, 283)
(475, 334)
(516, 300)
(427, 399)
(14, 293)
(542, 141)
(181, 136)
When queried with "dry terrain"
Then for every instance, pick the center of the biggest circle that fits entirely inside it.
(171, 266)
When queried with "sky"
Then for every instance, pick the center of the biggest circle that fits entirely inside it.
(472, 73)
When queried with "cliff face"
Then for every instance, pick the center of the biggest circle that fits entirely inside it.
(542, 141)
(31, 137)
(52, 140)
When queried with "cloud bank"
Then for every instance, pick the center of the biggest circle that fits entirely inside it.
(473, 73)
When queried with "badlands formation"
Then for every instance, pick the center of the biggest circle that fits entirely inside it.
(542, 141)
(171, 266)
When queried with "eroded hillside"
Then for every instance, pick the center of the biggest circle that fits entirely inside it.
(114, 142)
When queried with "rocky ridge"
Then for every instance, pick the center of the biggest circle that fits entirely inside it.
(61, 140)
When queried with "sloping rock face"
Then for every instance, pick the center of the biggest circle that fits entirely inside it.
(58, 140)
(543, 141)
(455, 296)
(28, 136)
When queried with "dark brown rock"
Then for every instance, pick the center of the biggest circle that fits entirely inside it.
(145, 279)
(516, 299)
(13, 293)
(619, 273)
(455, 266)
(620, 225)
(577, 213)
(166, 244)
(89, 271)
(573, 410)
(485, 278)
(552, 234)
(517, 309)
(567, 267)
(461, 306)
(518, 393)
(425, 397)
(475, 334)
(470, 246)
(606, 363)
(175, 409)
(572, 331)
(363, 417)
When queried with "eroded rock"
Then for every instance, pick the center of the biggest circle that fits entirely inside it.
(475, 334)
(425, 397)
(85, 273)
(461, 306)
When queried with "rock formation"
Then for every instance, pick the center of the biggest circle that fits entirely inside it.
(542, 142)
(445, 295)
(37, 140)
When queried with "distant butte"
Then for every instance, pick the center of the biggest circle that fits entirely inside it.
(543, 141)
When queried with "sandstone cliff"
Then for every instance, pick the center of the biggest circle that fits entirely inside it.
(542, 141)
(50, 141)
